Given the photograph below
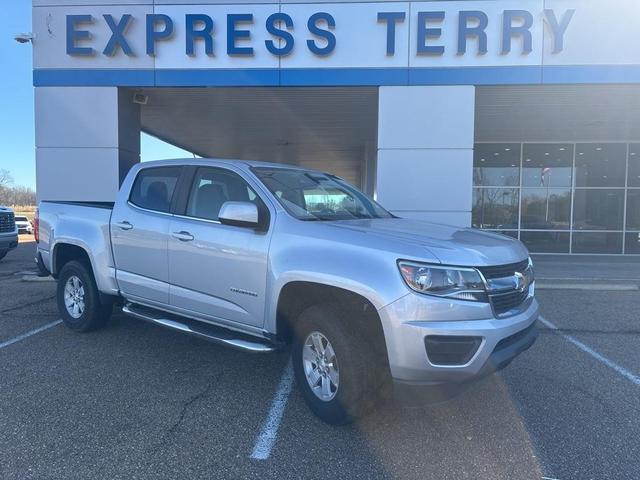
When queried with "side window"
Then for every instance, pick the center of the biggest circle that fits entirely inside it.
(212, 187)
(154, 187)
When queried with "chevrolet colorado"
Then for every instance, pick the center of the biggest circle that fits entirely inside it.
(260, 256)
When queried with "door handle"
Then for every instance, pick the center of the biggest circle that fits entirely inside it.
(183, 236)
(124, 225)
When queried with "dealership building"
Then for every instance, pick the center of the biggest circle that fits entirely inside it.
(517, 116)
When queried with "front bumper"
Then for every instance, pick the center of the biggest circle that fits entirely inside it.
(8, 242)
(407, 321)
(419, 393)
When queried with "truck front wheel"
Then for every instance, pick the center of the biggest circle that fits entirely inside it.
(79, 300)
(333, 367)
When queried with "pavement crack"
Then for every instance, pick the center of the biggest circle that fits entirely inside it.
(30, 304)
(187, 403)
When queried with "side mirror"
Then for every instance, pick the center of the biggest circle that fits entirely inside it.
(239, 214)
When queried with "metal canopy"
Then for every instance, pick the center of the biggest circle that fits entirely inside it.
(326, 128)
(558, 113)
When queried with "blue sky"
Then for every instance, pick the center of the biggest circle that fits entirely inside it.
(16, 101)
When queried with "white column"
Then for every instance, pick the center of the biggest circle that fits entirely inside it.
(425, 152)
(87, 138)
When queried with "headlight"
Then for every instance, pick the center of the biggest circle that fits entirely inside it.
(450, 282)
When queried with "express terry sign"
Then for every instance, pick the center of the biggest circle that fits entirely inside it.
(320, 33)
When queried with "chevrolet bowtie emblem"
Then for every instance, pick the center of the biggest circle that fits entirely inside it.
(522, 282)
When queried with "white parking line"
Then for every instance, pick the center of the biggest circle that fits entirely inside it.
(598, 356)
(267, 438)
(28, 334)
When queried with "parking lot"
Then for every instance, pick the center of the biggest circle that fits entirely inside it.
(137, 401)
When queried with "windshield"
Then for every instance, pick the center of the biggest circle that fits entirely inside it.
(318, 196)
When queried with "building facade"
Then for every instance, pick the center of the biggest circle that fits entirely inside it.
(518, 116)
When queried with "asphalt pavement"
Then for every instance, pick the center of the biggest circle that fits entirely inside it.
(137, 401)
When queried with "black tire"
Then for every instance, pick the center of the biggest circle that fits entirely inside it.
(3, 254)
(95, 313)
(357, 392)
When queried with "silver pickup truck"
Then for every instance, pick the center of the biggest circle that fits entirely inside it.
(262, 256)
(8, 231)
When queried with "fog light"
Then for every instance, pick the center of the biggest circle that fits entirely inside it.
(451, 349)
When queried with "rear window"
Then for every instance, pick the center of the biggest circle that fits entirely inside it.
(153, 188)
(21, 219)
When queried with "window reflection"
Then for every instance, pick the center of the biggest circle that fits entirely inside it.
(600, 165)
(547, 165)
(634, 165)
(632, 243)
(598, 209)
(633, 209)
(546, 242)
(550, 189)
(545, 208)
(600, 242)
(496, 164)
(495, 208)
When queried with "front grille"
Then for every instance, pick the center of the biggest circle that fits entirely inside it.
(501, 271)
(7, 222)
(503, 302)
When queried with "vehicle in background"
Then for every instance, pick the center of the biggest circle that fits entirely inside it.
(23, 224)
(260, 256)
(8, 231)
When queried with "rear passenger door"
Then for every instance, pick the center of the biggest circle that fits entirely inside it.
(218, 271)
(140, 232)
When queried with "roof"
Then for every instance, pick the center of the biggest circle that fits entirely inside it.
(227, 161)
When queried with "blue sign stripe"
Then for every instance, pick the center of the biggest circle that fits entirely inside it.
(530, 75)
(218, 77)
(92, 77)
(344, 76)
(523, 75)
(591, 74)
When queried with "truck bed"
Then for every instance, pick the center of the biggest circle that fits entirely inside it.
(82, 224)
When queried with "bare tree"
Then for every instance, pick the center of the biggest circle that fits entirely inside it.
(14, 195)
(5, 178)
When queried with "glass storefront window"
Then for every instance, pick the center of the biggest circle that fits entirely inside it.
(598, 209)
(496, 164)
(632, 243)
(547, 165)
(634, 165)
(495, 208)
(546, 242)
(597, 242)
(633, 209)
(545, 208)
(601, 165)
(560, 197)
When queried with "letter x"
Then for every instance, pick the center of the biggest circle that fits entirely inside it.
(117, 35)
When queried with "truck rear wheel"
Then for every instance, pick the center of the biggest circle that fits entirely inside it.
(333, 367)
(79, 299)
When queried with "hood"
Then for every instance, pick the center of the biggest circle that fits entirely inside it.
(451, 245)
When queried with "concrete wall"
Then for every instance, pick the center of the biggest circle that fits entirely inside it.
(87, 138)
(425, 152)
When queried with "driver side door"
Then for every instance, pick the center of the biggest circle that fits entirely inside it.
(218, 271)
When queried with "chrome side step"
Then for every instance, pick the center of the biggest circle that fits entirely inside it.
(203, 330)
